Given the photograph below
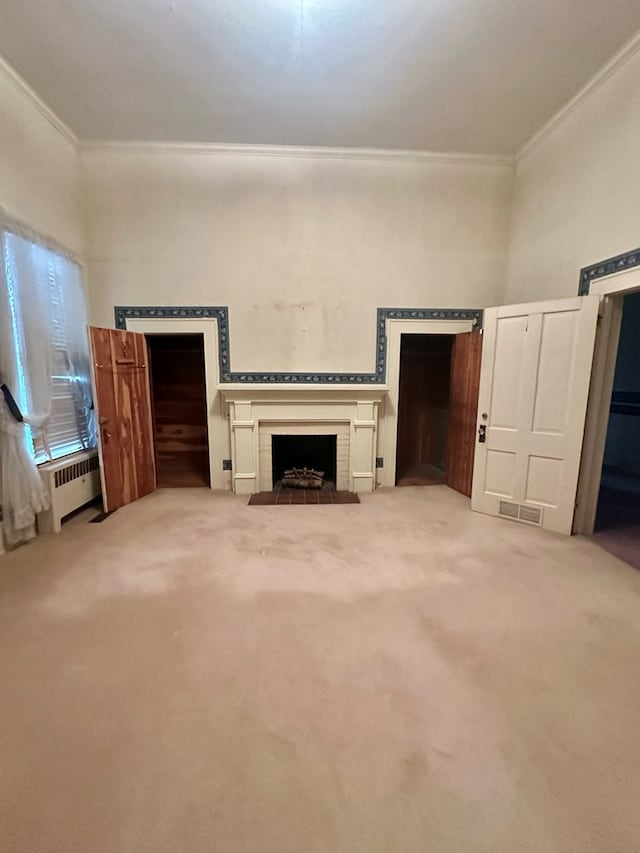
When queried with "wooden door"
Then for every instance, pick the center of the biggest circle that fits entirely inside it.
(463, 409)
(121, 392)
(534, 385)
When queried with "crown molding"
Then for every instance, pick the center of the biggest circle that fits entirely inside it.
(10, 73)
(626, 53)
(292, 151)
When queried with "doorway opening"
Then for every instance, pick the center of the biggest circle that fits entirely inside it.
(438, 384)
(179, 409)
(423, 409)
(617, 526)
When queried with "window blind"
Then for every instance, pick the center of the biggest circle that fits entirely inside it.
(33, 267)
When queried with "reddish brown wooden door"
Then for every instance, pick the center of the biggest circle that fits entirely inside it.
(463, 410)
(123, 408)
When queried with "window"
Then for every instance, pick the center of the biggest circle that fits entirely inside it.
(48, 324)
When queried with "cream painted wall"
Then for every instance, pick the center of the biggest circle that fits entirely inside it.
(577, 192)
(303, 248)
(40, 178)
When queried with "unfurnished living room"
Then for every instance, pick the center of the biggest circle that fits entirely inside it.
(320, 426)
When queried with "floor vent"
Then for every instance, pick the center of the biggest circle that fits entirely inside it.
(521, 512)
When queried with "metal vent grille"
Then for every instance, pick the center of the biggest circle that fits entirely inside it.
(508, 509)
(531, 514)
(75, 470)
(521, 512)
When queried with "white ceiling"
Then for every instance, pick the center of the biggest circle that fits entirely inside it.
(441, 75)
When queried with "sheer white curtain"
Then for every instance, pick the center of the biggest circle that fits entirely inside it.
(25, 367)
(44, 361)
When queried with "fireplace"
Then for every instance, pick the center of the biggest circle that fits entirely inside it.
(304, 451)
(341, 424)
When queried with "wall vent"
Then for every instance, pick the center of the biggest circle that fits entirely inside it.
(531, 514)
(508, 509)
(521, 512)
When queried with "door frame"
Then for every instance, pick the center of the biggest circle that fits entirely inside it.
(217, 429)
(612, 289)
(388, 444)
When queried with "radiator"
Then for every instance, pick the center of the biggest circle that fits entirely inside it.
(70, 482)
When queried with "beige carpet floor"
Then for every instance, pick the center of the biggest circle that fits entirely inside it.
(195, 675)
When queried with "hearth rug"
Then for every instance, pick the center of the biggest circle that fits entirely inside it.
(303, 497)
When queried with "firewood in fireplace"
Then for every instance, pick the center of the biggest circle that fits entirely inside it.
(303, 478)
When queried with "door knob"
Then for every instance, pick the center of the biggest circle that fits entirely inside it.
(482, 434)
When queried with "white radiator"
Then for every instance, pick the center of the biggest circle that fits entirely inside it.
(70, 482)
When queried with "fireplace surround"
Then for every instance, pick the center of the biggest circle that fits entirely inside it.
(258, 415)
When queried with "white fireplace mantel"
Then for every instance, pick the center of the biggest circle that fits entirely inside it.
(260, 411)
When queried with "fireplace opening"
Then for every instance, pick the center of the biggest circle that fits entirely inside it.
(317, 452)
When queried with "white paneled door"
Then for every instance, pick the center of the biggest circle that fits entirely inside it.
(534, 386)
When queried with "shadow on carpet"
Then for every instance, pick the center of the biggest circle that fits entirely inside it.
(423, 474)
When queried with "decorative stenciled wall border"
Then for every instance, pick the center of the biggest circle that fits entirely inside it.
(612, 265)
(221, 314)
